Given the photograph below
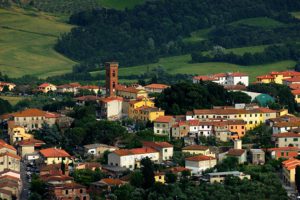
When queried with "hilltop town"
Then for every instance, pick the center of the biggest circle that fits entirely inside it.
(100, 142)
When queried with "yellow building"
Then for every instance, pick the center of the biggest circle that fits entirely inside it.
(277, 77)
(54, 156)
(17, 134)
(197, 150)
(130, 92)
(159, 177)
(146, 113)
(289, 171)
(138, 104)
(296, 94)
(252, 116)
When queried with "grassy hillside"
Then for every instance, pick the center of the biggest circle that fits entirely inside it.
(120, 4)
(180, 64)
(26, 44)
(259, 22)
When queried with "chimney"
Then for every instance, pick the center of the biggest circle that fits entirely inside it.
(237, 144)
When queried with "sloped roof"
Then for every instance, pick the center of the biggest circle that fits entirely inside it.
(157, 86)
(54, 152)
(157, 144)
(236, 152)
(164, 119)
(200, 158)
(287, 134)
(136, 151)
(196, 147)
(31, 142)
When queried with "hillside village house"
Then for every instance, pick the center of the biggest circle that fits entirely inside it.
(10, 86)
(92, 88)
(156, 88)
(31, 119)
(219, 177)
(180, 130)
(277, 77)
(98, 150)
(287, 139)
(231, 78)
(236, 151)
(69, 88)
(54, 156)
(282, 127)
(138, 103)
(17, 133)
(131, 158)
(81, 101)
(29, 146)
(252, 116)
(130, 92)
(289, 171)
(198, 150)
(8, 157)
(284, 152)
(146, 113)
(110, 108)
(162, 125)
(198, 164)
(165, 149)
(257, 156)
(47, 87)
(296, 94)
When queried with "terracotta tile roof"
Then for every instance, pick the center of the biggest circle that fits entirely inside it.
(236, 74)
(296, 92)
(89, 87)
(291, 163)
(157, 86)
(59, 177)
(31, 142)
(236, 152)
(112, 181)
(52, 115)
(31, 112)
(10, 155)
(7, 192)
(9, 177)
(294, 79)
(294, 86)
(5, 145)
(178, 169)
(136, 151)
(6, 83)
(232, 111)
(288, 124)
(200, 158)
(284, 149)
(235, 87)
(90, 165)
(127, 89)
(164, 119)
(109, 99)
(9, 184)
(286, 73)
(156, 144)
(53, 167)
(196, 147)
(70, 85)
(88, 98)
(265, 77)
(45, 85)
(194, 122)
(287, 134)
(54, 152)
(206, 78)
(71, 186)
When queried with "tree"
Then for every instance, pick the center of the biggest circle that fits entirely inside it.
(136, 179)
(147, 169)
(171, 178)
(239, 97)
(5, 106)
(50, 135)
(5, 89)
(87, 176)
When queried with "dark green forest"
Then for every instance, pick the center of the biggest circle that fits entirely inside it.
(156, 29)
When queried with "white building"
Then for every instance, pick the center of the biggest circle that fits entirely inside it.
(111, 108)
(282, 127)
(98, 149)
(200, 163)
(131, 158)
(165, 149)
(230, 78)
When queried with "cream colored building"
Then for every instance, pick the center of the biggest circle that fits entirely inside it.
(98, 149)
(47, 87)
(198, 164)
(28, 147)
(131, 158)
(9, 161)
(111, 108)
(198, 150)
(287, 139)
(54, 156)
(289, 172)
(219, 177)
(130, 92)
(165, 149)
(163, 124)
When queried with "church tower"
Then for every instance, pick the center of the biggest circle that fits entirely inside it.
(111, 78)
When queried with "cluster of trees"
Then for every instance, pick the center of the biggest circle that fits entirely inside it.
(183, 97)
(5, 106)
(270, 54)
(152, 30)
(281, 93)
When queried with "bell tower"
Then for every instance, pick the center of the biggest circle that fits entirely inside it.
(111, 78)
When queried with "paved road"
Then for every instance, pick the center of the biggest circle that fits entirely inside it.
(25, 183)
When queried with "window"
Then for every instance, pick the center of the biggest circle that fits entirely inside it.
(80, 191)
(282, 153)
(67, 192)
(157, 131)
(287, 153)
(295, 139)
(166, 150)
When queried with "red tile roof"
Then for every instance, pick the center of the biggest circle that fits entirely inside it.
(206, 78)
(157, 144)
(157, 86)
(5, 145)
(88, 98)
(287, 134)
(127, 89)
(54, 153)
(10, 155)
(89, 87)
(164, 119)
(291, 163)
(284, 149)
(265, 77)
(126, 152)
(31, 142)
(236, 152)
(200, 158)
(294, 79)
(109, 99)
(232, 111)
(31, 112)
(295, 92)
(196, 147)
(288, 124)
(295, 86)
(45, 85)
(111, 181)
(178, 169)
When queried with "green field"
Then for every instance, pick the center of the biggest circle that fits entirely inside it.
(243, 50)
(180, 64)
(120, 4)
(13, 100)
(26, 44)
(259, 22)
(198, 36)
(296, 14)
